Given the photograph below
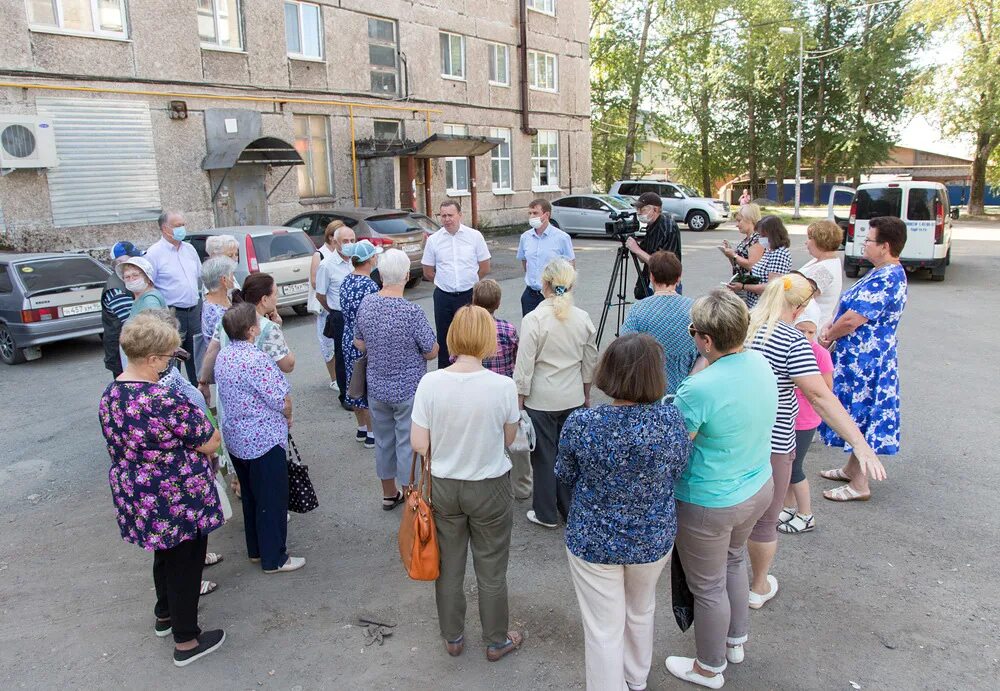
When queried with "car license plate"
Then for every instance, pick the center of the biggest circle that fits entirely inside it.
(86, 308)
(295, 288)
(412, 247)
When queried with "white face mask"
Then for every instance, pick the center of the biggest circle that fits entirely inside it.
(765, 243)
(135, 285)
(643, 218)
(535, 222)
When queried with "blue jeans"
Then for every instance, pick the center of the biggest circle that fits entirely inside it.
(264, 488)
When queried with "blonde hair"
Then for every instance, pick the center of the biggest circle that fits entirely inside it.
(723, 316)
(749, 212)
(149, 334)
(560, 275)
(826, 234)
(790, 290)
(472, 332)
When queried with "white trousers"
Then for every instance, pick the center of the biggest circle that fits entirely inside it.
(617, 604)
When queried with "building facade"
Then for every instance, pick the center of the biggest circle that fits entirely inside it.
(252, 111)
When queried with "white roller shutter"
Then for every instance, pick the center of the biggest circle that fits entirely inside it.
(107, 163)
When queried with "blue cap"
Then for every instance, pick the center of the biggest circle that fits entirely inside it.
(362, 250)
(124, 248)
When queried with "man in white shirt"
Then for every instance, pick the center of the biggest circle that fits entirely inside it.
(455, 258)
(539, 245)
(177, 275)
(329, 276)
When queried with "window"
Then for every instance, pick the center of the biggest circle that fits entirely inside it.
(389, 130)
(885, 201)
(568, 202)
(500, 161)
(591, 204)
(6, 286)
(499, 64)
(312, 143)
(545, 160)
(456, 170)
(670, 192)
(921, 204)
(542, 71)
(95, 17)
(304, 30)
(543, 6)
(452, 56)
(383, 56)
(219, 24)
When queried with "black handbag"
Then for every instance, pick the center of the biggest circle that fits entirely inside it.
(301, 494)
(328, 330)
(681, 596)
(357, 388)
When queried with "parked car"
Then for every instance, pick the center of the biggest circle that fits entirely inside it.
(46, 298)
(586, 214)
(923, 206)
(283, 252)
(386, 228)
(686, 205)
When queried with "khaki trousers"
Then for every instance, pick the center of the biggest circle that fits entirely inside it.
(520, 473)
(480, 512)
(617, 603)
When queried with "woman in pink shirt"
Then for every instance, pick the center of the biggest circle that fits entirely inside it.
(796, 516)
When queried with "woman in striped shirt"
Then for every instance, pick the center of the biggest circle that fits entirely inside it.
(776, 260)
(792, 360)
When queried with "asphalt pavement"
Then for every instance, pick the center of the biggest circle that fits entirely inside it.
(896, 593)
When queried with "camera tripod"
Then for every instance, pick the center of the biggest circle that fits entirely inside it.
(619, 279)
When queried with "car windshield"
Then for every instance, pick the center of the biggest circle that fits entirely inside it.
(281, 246)
(689, 191)
(879, 201)
(50, 275)
(394, 224)
(614, 202)
(426, 223)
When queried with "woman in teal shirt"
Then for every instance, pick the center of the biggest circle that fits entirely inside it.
(729, 408)
(135, 273)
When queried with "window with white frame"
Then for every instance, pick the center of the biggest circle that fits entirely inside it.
(543, 6)
(452, 56)
(383, 56)
(545, 160)
(312, 141)
(303, 30)
(500, 161)
(542, 71)
(456, 169)
(93, 17)
(499, 64)
(219, 24)
(389, 130)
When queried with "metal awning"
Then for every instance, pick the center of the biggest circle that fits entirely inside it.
(266, 151)
(439, 146)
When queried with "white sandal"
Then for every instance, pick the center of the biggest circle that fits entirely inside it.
(845, 493)
(797, 524)
(208, 587)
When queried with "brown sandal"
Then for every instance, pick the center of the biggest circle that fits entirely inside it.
(514, 641)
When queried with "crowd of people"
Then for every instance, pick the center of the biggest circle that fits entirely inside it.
(698, 456)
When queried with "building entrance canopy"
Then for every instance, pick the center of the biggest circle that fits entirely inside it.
(266, 150)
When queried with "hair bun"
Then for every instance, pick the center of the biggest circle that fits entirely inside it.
(237, 297)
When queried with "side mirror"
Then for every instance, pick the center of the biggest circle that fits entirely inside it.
(955, 211)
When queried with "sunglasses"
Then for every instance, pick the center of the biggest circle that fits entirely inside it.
(693, 331)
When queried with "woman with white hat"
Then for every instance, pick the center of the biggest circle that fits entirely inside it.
(136, 273)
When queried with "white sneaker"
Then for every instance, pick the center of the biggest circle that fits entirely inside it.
(293, 564)
(333, 385)
(683, 668)
(534, 519)
(757, 601)
(735, 654)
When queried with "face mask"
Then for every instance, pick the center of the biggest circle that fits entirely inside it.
(535, 222)
(135, 285)
(180, 232)
(765, 243)
(643, 218)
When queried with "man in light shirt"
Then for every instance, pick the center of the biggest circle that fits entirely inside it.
(177, 275)
(329, 276)
(539, 245)
(455, 258)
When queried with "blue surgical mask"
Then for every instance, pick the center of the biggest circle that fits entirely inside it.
(765, 243)
(180, 233)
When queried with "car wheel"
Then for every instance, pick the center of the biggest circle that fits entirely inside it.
(851, 270)
(414, 282)
(554, 222)
(947, 258)
(301, 310)
(697, 221)
(9, 352)
(937, 274)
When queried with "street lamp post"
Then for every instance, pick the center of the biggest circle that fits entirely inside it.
(798, 129)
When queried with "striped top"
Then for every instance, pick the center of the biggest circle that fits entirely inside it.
(790, 355)
(776, 261)
(118, 302)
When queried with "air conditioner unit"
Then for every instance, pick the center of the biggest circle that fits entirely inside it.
(27, 141)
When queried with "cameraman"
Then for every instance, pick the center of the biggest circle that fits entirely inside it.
(661, 234)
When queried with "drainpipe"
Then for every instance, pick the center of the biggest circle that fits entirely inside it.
(522, 54)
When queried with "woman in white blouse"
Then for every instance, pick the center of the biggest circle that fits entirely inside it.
(823, 242)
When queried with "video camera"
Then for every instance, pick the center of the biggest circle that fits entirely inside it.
(622, 224)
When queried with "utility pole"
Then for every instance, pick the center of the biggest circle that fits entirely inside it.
(798, 137)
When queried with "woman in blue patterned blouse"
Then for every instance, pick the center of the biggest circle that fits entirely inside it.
(620, 462)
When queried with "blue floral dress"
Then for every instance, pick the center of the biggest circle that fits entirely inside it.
(352, 291)
(865, 366)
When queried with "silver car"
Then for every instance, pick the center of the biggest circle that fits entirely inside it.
(586, 214)
(46, 298)
(684, 203)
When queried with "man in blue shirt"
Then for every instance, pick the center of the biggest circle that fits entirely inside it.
(539, 245)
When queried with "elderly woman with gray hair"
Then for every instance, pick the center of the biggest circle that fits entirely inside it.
(224, 245)
(218, 273)
(399, 341)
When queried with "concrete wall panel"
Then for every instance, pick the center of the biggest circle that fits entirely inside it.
(224, 67)
(82, 55)
(165, 49)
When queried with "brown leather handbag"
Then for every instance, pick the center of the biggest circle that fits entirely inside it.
(418, 545)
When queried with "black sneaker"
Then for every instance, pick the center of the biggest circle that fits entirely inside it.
(360, 436)
(369, 442)
(163, 628)
(208, 642)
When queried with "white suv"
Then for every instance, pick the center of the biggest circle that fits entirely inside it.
(923, 206)
(681, 201)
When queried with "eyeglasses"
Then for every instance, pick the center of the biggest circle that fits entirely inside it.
(876, 241)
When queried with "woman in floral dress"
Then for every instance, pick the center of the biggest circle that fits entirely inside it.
(863, 340)
(162, 480)
(353, 290)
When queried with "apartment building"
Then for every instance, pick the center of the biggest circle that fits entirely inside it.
(252, 111)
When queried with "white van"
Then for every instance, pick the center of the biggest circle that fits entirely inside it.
(924, 208)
